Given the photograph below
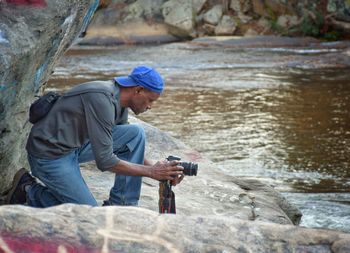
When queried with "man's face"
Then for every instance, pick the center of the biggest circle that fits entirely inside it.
(142, 100)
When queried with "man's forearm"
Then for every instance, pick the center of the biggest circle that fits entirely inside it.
(131, 169)
(161, 170)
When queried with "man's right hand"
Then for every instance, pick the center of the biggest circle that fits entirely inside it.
(164, 170)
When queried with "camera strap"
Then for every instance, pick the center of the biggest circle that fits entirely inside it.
(166, 198)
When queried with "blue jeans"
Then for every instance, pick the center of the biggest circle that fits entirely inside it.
(65, 184)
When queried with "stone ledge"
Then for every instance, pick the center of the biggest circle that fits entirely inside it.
(68, 228)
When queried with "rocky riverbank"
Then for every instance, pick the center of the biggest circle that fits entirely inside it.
(143, 22)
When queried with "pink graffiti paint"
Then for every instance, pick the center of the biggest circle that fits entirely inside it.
(36, 3)
(40, 245)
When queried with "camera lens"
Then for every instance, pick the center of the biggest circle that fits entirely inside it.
(190, 169)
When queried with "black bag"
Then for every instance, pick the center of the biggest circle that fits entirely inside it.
(39, 108)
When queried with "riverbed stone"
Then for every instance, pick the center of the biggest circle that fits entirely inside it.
(32, 39)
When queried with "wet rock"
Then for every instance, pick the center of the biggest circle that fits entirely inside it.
(32, 39)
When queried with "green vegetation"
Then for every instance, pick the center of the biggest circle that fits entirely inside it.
(332, 35)
(312, 24)
(312, 27)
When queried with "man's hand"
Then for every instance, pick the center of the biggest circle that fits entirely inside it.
(177, 180)
(164, 170)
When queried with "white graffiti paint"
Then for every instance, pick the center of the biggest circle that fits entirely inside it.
(3, 38)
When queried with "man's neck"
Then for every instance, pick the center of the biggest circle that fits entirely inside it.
(124, 96)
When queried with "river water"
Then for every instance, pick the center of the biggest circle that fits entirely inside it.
(266, 113)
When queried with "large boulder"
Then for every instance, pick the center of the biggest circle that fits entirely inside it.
(72, 228)
(32, 38)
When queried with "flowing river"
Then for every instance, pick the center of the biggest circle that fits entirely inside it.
(266, 113)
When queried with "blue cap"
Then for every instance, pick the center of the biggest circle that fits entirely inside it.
(144, 76)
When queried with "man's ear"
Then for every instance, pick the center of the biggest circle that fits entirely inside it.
(138, 89)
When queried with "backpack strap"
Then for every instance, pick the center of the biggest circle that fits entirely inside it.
(106, 87)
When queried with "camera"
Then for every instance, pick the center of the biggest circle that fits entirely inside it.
(190, 169)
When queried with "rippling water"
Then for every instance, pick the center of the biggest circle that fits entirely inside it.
(258, 113)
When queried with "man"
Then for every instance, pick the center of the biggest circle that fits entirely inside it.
(89, 122)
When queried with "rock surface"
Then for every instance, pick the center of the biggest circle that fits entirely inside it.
(179, 17)
(209, 193)
(72, 228)
(32, 38)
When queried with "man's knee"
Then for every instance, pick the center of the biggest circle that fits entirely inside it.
(137, 130)
(129, 136)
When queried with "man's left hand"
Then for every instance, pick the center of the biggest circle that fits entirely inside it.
(177, 180)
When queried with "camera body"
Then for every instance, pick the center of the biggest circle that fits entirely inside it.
(190, 169)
